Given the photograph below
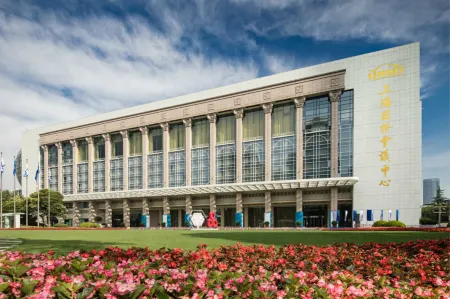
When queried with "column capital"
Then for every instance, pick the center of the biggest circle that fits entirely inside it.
(299, 102)
(124, 133)
(89, 140)
(165, 126)
(239, 113)
(44, 147)
(106, 137)
(212, 117)
(335, 95)
(267, 108)
(144, 130)
(58, 145)
(73, 142)
(187, 122)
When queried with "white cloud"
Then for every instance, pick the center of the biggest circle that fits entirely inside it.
(438, 166)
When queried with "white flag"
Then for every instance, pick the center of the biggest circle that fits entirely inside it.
(25, 174)
(2, 165)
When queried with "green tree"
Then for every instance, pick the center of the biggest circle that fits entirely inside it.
(439, 201)
(57, 208)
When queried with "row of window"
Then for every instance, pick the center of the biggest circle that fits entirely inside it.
(316, 145)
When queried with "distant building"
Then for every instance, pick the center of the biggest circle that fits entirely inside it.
(429, 190)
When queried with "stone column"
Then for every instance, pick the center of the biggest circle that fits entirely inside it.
(92, 211)
(180, 221)
(74, 166)
(125, 159)
(245, 217)
(239, 207)
(268, 202)
(166, 206)
(335, 96)
(212, 203)
(188, 139)
(45, 147)
(126, 213)
(299, 200)
(107, 162)
(268, 140)
(76, 215)
(108, 213)
(299, 102)
(334, 198)
(90, 142)
(239, 113)
(212, 148)
(145, 208)
(165, 128)
(60, 176)
(222, 217)
(144, 131)
(188, 204)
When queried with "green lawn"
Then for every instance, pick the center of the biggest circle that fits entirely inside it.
(65, 241)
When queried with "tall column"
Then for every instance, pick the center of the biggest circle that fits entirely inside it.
(74, 165)
(188, 138)
(166, 206)
(165, 128)
(222, 217)
(180, 221)
(245, 217)
(268, 139)
(76, 215)
(188, 204)
(145, 208)
(125, 159)
(45, 147)
(144, 131)
(212, 203)
(126, 213)
(239, 209)
(108, 213)
(335, 96)
(334, 198)
(268, 202)
(90, 142)
(107, 162)
(299, 200)
(212, 148)
(299, 102)
(239, 113)
(60, 176)
(92, 211)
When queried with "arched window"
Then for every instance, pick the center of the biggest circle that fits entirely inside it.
(283, 158)
(226, 164)
(253, 161)
(155, 170)
(317, 156)
(177, 168)
(200, 166)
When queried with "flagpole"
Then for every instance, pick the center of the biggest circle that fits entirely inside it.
(38, 187)
(1, 191)
(49, 207)
(14, 194)
(26, 199)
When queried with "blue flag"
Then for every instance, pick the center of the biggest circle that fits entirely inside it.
(36, 176)
(15, 168)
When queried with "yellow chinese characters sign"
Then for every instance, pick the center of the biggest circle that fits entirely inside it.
(385, 127)
(386, 71)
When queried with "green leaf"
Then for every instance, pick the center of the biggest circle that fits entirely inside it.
(86, 292)
(138, 291)
(3, 286)
(62, 292)
(28, 286)
(161, 293)
(19, 270)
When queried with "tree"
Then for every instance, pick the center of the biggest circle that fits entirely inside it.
(439, 201)
(57, 208)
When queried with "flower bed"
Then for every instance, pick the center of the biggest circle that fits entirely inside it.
(414, 269)
(396, 229)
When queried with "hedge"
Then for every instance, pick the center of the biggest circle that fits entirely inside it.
(90, 225)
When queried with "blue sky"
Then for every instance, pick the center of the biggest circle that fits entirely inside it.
(63, 60)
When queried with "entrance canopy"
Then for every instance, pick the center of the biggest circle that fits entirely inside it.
(217, 189)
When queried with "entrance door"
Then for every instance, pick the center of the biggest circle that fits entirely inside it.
(255, 216)
(117, 218)
(229, 215)
(342, 208)
(284, 216)
(154, 218)
(315, 215)
(135, 217)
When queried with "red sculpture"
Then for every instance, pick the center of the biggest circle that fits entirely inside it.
(212, 221)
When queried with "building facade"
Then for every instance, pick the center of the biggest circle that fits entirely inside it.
(430, 187)
(315, 144)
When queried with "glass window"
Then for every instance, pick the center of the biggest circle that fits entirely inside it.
(116, 145)
(200, 133)
(253, 124)
(67, 153)
(200, 166)
(253, 161)
(67, 172)
(82, 171)
(155, 170)
(135, 143)
(346, 134)
(176, 133)
(283, 158)
(82, 151)
(99, 176)
(52, 156)
(177, 169)
(283, 120)
(99, 148)
(135, 172)
(155, 140)
(116, 174)
(225, 164)
(226, 129)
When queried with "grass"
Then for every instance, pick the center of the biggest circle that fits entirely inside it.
(66, 241)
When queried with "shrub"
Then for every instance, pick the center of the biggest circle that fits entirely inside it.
(90, 225)
(299, 224)
(98, 219)
(395, 223)
(380, 223)
(163, 224)
(427, 221)
(60, 225)
(448, 224)
(267, 223)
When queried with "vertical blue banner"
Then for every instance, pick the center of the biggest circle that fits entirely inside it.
(239, 217)
(144, 220)
(299, 217)
(369, 215)
(166, 219)
(355, 212)
(397, 212)
(338, 215)
(187, 219)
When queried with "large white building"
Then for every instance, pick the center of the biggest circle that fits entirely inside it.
(313, 144)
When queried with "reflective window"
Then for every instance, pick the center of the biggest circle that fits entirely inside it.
(225, 164)
(283, 158)
(99, 148)
(135, 143)
(99, 176)
(82, 177)
(155, 170)
(135, 172)
(155, 142)
(52, 156)
(346, 134)
(253, 161)
(316, 138)
(116, 145)
(283, 120)
(177, 136)
(41, 167)
(116, 174)
(67, 172)
(53, 178)
(177, 168)
(67, 153)
(82, 150)
(200, 166)
(200, 133)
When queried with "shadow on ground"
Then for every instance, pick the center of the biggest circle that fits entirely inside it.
(280, 238)
(63, 246)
